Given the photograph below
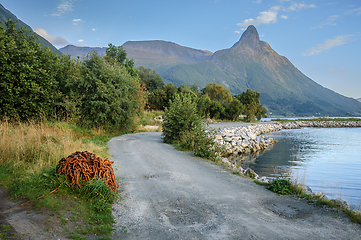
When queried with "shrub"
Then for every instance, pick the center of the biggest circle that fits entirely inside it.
(28, 86)
(183, 126)
(179, 118)
(283, 185)
(104, 95)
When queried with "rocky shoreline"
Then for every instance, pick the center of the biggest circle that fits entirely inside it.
(244, 140)
(247, 139)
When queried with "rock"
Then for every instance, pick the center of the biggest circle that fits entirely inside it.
(307, 190)
(319, 195)
(159, 118)
(250, 173)
(340, 202)
(219, 137)
(263, 179)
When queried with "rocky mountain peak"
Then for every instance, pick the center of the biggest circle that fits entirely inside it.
(249, 37)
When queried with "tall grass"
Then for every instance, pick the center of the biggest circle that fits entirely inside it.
(31, 147)
(29, 153)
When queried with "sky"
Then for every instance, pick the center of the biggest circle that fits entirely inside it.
(322, 38)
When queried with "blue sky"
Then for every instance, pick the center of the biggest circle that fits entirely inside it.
(320, 37)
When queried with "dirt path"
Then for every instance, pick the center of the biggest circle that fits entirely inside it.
(168, 194)
(21, 222)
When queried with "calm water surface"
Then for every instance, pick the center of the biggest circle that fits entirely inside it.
(325, 159)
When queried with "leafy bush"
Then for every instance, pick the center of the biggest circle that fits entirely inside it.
(201, 142)
(283, 185)
(180, 117)
(183, 126)
(28, 86)
(104, 95)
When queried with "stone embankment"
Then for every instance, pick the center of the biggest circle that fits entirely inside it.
(247, 139)
(244, 140)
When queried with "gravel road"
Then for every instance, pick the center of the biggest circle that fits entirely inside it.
(169, 194)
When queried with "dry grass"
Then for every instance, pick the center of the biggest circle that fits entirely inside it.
(32, 147)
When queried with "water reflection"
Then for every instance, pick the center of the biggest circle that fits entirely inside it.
(291, 150)
(327, 160)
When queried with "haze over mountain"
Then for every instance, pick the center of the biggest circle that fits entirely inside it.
(249, 63)
(6, 14)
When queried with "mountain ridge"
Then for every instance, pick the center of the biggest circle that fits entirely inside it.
(249, 63)
(6, 14)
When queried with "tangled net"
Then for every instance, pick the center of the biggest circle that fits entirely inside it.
(85, 166)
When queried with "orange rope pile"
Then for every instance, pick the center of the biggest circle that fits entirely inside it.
(84, 166)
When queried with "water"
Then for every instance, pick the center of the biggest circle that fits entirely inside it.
(325, 159)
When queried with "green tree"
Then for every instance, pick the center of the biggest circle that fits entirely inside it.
(182, 125)
(28, 86)
(150, 78)
(218, 93)
(180, 117)
(234, 109)
(106, 94)
(157, 100)
(117, 55)
(252, 103)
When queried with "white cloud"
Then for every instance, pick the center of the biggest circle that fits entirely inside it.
(298, 6)
(63, 7)
(356, 11)
(76, 21)
(59, 41)
(93, 29)
(265, 17)
(270, 16)
(330, 21)
(329, 43)
(257, 1)
(80, 40)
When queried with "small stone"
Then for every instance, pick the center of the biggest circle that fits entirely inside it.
(319, 194)
(219, 137)
(250, 173)
(340, 202)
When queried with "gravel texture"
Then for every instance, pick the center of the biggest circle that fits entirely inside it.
(169, 194)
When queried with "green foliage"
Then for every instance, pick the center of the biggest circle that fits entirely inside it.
(159, 98)
(218, 93)
(28, 86)
(252, 104)
(234, 109)
(183, 126)
(97, 189)
(201, 141)
(180, 117)
(150, 78)
(283, 185)
(118, 56)
(103, 95)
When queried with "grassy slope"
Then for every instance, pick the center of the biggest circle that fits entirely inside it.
(28, 171)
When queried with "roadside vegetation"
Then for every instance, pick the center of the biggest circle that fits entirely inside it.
(53, 106)
(283, 185)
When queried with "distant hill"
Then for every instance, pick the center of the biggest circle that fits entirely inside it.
(76, 52)
(249, 63)
(6, 14)
(359, 99)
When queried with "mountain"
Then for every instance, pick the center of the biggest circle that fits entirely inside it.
(6, 14)
(359, 99)
(249, 63)
(76, 52)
